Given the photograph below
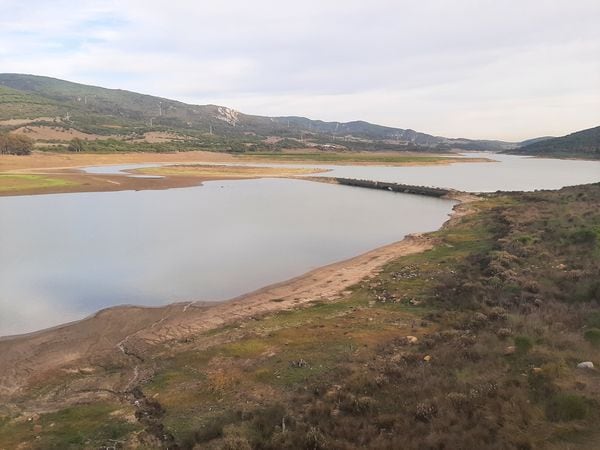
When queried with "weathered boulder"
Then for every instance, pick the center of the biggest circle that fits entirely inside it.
(585, 365)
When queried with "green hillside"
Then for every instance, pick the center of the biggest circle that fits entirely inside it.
(582, 144)
(16, 104)
(112, 112)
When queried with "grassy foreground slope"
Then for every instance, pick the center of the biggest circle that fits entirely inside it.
(473, 344)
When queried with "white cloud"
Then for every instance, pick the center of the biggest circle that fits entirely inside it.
(507, 70)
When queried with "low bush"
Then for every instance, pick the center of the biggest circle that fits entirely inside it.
(593, 336)
(523, 344)
(566, 407)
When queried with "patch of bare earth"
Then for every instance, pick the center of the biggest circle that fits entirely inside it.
(159, 137)
(48, 133)
(45, 160)
(17, 122)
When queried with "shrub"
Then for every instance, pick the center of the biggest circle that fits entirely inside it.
(265, 422)
(15, 144)
(212, 429)
(583, 236)
(593, 336)
(76, 145)
(593, 319)
(235, 443)
(566, 407)
(523, 344)
(314, 439)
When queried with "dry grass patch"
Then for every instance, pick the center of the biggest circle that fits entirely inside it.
(222, 172)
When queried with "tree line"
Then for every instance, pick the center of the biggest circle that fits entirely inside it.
(15, 144)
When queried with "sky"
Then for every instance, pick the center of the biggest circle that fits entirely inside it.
(508, 70)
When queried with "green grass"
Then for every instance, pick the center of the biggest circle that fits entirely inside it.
(592, 336)
(20, 182)
(82, 426)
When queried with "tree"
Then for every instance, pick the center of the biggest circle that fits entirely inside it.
(15, 144)
(76, 145)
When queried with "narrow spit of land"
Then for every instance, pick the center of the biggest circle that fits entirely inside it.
(47, 173)
(427, 191)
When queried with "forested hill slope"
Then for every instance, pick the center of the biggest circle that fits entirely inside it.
(582, 144)
(104, 111)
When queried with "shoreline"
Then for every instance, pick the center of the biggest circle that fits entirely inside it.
(410, 240)
(121, 331)
(58, 173)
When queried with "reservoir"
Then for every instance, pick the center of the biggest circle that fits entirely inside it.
(66, 256)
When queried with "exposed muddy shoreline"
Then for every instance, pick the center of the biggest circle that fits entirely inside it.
(102, 335)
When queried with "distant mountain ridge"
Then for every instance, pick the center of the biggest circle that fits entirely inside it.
(108, 111)
(581, 144)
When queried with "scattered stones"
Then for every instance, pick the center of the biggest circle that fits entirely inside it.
(298, 364)
(458, 399)
(537, 370)
(483, 390)
(412, 339)
(497, 313)
(510, 350)
(585, 365)
(425, 412)
(503, 333)
(381, 380)
(427, 358)
(384, 296)
(406, 273)
(480, 317)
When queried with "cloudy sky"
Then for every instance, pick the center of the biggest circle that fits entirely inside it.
(510, 69)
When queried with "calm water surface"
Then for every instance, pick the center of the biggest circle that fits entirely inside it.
(508, 173)
(65, 256)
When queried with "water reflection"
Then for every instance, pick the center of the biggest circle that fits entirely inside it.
(65, 256)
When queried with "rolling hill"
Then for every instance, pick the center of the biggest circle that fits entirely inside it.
(581, 144)
(114, 112)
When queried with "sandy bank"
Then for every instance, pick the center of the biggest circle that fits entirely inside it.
(115, 334)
